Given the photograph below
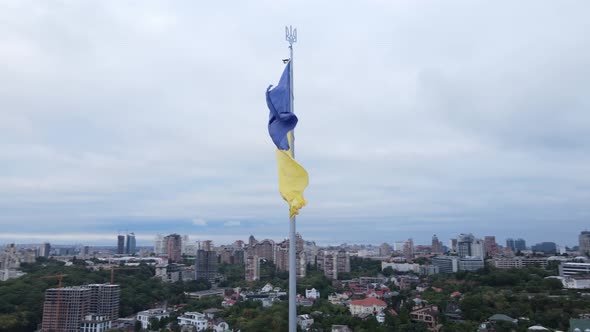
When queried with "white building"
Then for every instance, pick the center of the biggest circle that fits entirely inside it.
(9, 263)
(368, 252)
(145, 316)
(366, 306)
(203, 321)
(6, 274)
(304, 321)
(574, 282)
(175, 272)
(267, 288)
(471, 263)
(401, 267)
(187, 247)
(571, 268)
(95, 323)
(518, 262)
(312, 293)
(159, 245)
(196, 319)
(446, 264)
(399, 245)
(337, 298)
(478, 248)
(218, 325)
(577, 282)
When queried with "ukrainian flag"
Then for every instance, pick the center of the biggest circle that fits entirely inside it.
(293, 178)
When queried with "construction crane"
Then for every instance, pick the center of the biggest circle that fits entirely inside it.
(59, 277)
(120, 268)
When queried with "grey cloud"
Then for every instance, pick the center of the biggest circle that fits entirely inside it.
(459, 112)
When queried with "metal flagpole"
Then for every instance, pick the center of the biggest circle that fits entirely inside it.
(291, 37)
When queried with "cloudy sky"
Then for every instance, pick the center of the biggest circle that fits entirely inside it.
(416, 118)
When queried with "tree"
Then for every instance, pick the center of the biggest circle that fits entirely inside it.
(421, 260)
(552, 284)
(388, 271)
(154, 323)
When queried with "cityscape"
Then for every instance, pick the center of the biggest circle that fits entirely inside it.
(294, 166)
(253, 270)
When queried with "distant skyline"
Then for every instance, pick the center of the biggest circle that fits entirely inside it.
(416, 118)
(147, 239)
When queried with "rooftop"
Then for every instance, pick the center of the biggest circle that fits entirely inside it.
(369, 302)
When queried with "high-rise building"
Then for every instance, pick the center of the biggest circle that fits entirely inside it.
(311, 252)
(207, 245)
(130, 246)
(173, 244)
(320, 259)
(446, 264)
(206, 265)
(252, 241)
(385, 250)
(188, 248)
(252, 268)
(491, 246)
(469, 246)
(516, 245)
(225, 255)
(299, 243)
(408, 249)
(120, 244)
(329, 264)
(464, 245)
(519, 244)
(9, 262)
(238, 257)
(263, 249)
(281, 256)
(510, 244)
(333, 262)
(159, 245)
(584, 242)
(65, 309)
(399, 245)
(301, 264)
(478, 248)
(545, 247)
(436, 247)
(230, 255)
(342, 261)
(104, 300)
(453, 245)
(44, 250)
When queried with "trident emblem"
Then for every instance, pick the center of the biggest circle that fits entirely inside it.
(290, 35)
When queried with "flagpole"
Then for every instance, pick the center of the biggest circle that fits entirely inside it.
(291, 37)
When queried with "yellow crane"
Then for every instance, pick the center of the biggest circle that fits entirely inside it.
(120, 268)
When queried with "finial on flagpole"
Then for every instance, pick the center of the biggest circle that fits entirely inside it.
(290, 35)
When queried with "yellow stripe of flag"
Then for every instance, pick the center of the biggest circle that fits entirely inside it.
(293, 179)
